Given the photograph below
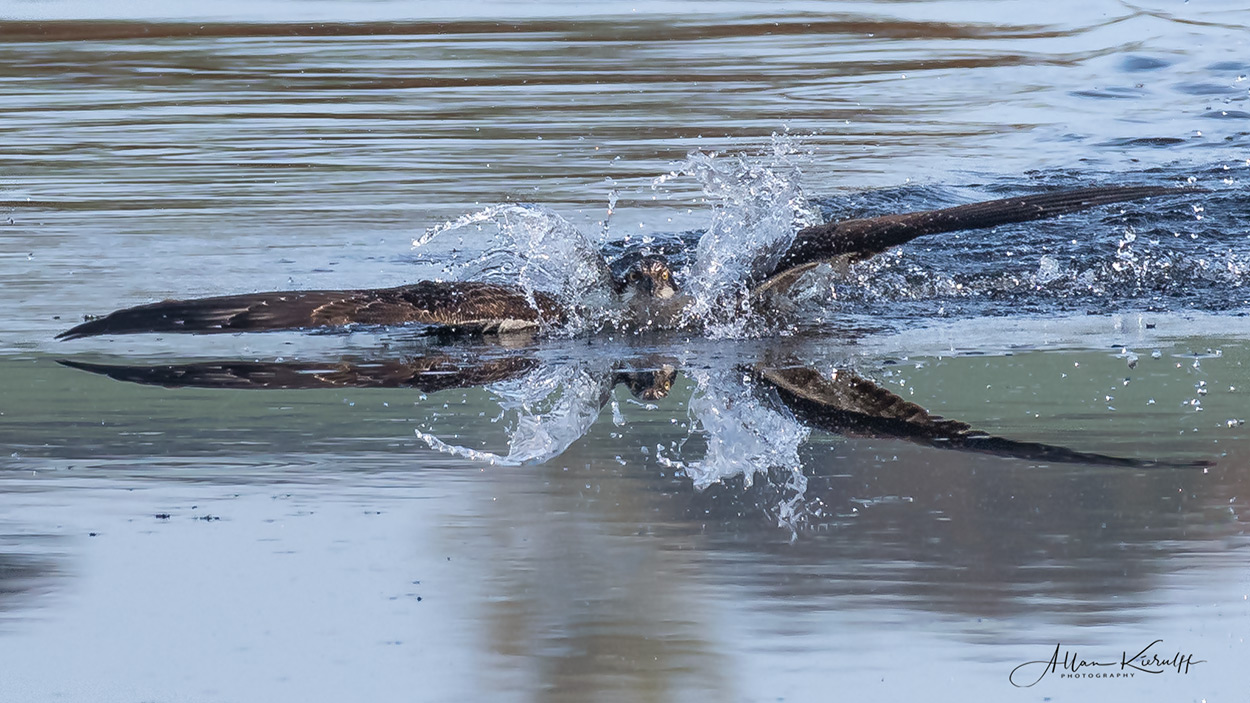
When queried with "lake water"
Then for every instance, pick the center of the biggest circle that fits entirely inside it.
(552, 531)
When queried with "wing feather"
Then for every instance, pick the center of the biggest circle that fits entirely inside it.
(483, 307)
(854, 240)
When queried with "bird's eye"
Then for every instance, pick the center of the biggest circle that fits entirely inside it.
(664, 275)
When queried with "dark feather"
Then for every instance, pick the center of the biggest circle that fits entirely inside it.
(855, 240)
(471, 306)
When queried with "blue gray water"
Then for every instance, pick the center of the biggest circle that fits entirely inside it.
(550, 535)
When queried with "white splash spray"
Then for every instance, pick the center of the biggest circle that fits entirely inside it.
(757, 206)
(744, 436)
(552, 407)
(532, 247)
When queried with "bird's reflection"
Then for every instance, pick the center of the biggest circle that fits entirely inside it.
(429, 374)
(752, 417)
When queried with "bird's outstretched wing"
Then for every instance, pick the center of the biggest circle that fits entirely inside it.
(856, 240)
(849, 404)
(482, 307)
(429, 374)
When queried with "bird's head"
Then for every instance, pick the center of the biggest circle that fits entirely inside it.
(648, 276)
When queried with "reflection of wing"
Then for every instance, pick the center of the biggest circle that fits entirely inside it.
(428, 374)
(850, 405)
(431, 373)
(855, 240)
(472, 306)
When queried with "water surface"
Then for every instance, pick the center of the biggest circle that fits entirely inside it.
(316, 545)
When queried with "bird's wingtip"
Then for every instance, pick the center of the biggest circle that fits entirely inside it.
(90, 328)
(86, 328)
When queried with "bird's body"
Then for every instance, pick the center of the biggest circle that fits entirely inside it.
(644, 285)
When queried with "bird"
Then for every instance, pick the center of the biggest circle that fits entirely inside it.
(643, 284)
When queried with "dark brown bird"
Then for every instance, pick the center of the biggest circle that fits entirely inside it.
(639, 280)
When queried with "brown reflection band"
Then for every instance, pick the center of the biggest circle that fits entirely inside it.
(604, 30)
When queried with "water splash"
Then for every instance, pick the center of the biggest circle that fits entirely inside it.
(757, 206)
(744, 437)
(552, 408)
(534, 248)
